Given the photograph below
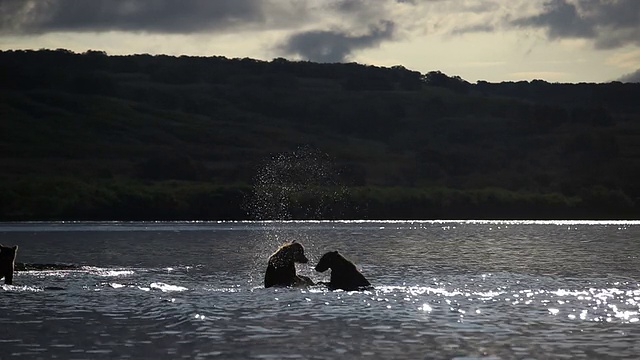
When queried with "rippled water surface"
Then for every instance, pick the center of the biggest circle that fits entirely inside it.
(443, 290)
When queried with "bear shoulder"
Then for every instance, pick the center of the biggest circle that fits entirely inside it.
(341, 262)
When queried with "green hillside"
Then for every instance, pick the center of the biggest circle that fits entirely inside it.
(96, 137)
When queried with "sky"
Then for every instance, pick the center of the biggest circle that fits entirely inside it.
(492, 40)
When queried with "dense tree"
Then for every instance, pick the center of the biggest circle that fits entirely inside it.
(92, 136)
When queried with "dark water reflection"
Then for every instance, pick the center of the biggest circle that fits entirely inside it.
(498, 290)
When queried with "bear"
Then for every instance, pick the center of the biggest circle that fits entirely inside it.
(281, 268)
(344, 274)
(7, 263)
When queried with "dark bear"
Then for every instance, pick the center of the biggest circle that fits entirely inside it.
(7, 263)
(281, 269)
(344, 274)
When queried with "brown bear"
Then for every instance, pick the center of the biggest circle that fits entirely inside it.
(281, 268)
(7, 263)
(344, 274)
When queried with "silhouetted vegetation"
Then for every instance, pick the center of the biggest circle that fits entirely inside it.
(140, 137)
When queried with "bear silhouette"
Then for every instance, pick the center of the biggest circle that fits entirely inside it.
(281, 268)
(344, 274)
(7, 263)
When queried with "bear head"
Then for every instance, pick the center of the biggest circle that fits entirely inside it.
(289, 254)
(327, 261)
(295, 251)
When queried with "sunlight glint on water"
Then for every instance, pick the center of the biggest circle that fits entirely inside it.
(443, 289)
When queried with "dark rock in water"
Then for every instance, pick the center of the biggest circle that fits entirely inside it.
(45, 267)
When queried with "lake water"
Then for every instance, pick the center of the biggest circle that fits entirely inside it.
(443, 290)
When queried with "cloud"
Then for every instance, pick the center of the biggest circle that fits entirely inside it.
(334, 46)
(608, 23)
(476, 16)
(320, 30)
(634, 77)
(473, 29)
(187, 16)
(26, 17)
(327, 30)
(157, 16)
(560, 19)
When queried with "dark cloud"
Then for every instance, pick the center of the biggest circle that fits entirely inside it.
(608, 23)
(335, 46)
(25, 17)
(162, 16)
(33, 17)
(561, 19)
(634, 77)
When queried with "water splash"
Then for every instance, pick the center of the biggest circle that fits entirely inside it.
(166, 287)
(302, 184)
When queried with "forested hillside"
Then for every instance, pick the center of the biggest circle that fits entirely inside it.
(96, 137)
